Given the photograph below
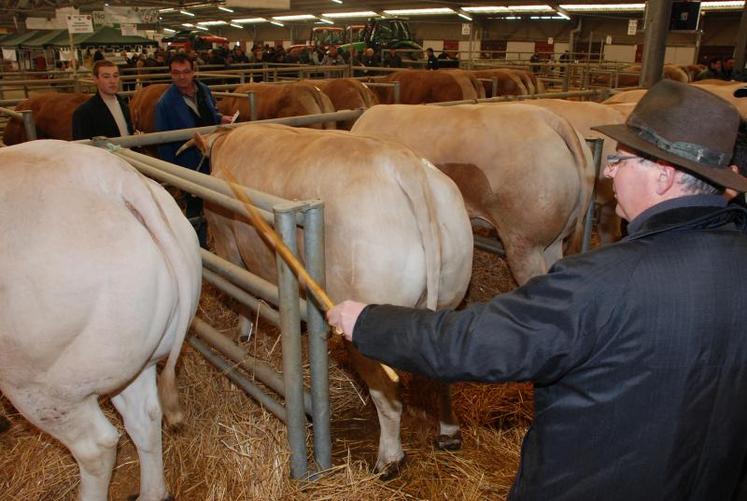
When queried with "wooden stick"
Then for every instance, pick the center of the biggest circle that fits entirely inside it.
(277, 243)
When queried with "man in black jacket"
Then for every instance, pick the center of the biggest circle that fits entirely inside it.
(637, 350)
(105, 114)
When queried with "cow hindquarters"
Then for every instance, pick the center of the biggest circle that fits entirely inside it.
(141, 411)
(385, 395)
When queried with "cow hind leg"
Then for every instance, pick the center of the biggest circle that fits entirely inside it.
(85, 431)
(524, 260)
(141, 411)
(385, 395)
(449, 438)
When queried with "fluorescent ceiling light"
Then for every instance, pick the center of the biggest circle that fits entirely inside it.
(297, 17)
(464, 16)
(721, 5)
(326, 21)
(186, 13)
(277, 23)
(337, 2)
(169, 30)
(604, 7)
(249, 20)
(188, 25)
(512, 18)
(236, 25)
(341, 15)
(419, 12)
(225, 9)
(201, 28)
(211, 23)
(170, 9)
(500, 9)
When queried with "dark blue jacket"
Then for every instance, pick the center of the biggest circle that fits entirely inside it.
(637, 351)
(173, 113)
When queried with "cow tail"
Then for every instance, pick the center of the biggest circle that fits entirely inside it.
(415, 185)
(585, 170)
(144, 205)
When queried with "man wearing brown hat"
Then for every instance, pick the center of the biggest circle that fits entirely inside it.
(637, 350)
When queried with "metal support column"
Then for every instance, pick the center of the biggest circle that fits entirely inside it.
(313, 244)
(290, 320)
(739, 48)
(658, 13)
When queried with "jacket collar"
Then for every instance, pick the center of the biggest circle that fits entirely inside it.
(687, 214)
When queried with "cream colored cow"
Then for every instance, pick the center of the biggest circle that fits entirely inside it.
(397, 232)
(99, 279)
(521, 168)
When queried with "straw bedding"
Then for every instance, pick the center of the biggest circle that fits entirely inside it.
(231, 449)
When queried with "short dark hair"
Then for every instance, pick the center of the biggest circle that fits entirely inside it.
(101, 63)
(181, 58)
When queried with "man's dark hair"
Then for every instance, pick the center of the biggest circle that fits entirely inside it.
(181, 58)
(101, 63)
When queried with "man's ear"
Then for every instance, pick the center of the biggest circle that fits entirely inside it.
(665, 177)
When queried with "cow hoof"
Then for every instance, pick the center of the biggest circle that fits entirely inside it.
(449, 442)
(4, 424)
(391, 470)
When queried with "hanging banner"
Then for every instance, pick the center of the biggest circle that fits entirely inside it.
(42, 23)
(128, 29)
(135, 15)
(466, 28)
(80, 24)
(608, 40)
(259, 4)
(9, 55)
(632, 26)
(550, 41)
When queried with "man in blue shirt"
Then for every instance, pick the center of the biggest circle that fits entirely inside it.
(187, 103)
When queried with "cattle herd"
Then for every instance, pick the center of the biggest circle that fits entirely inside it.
(101, 272)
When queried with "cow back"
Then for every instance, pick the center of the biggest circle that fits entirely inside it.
(346, 94)
(143, 107)
(53, 116)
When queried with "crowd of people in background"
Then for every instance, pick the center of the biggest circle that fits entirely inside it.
(720, 69)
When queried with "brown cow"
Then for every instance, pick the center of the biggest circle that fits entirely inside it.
(423, 86)
(522, 168)
(143, 107)
(53, 117)
(509, 83)
(396, 231)
(346, 94)
(280, 100)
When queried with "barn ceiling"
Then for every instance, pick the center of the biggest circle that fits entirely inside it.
(13, 12)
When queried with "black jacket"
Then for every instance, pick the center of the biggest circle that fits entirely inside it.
(637, 351)
(93, 118)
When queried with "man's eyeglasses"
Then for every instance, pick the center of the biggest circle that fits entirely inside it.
(177, 73)
(615, 159)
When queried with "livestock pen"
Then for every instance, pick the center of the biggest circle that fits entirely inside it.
(229, 456)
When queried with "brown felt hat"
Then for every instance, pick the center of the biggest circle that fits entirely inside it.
(686, 126)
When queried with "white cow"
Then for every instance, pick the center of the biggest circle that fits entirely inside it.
(99, 279)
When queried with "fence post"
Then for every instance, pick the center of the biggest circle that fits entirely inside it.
(494, 84)
(290, 327)
(252, 96)
(313, 239)
(29, 125)
(596, 146)
(396, 92)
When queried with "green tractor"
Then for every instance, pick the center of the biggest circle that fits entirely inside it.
(379, 34)
(382, 34)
